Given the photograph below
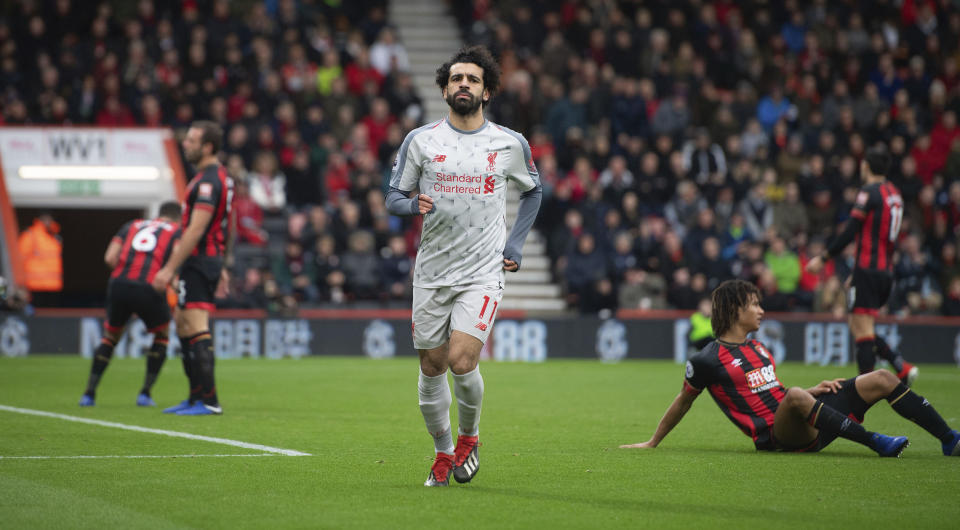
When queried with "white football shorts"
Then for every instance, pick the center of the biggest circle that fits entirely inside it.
(467, 308)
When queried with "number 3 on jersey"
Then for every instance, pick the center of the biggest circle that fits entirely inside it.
(181, 293)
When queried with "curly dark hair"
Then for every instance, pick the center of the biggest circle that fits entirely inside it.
(478, 55)
(726, 301)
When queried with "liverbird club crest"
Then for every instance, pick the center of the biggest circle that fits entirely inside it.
(492, 161)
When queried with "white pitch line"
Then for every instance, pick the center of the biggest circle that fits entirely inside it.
(137, 428)
(89, 457)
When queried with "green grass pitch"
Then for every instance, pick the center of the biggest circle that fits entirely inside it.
(549, 457)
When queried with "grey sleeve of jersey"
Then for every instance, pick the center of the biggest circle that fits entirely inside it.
(399, 204)
(527, 213)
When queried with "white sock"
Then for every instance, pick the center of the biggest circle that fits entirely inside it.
(435, 406)
(469, 390)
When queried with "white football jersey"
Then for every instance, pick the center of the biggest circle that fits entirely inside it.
(465, 173)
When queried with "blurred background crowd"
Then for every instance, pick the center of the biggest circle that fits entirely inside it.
(679, 143)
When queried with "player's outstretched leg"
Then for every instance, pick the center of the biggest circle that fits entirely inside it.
(101, 358)
(913, 407)
(468, 388)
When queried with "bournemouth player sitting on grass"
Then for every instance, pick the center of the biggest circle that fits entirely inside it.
(136, 253)
(741, 376)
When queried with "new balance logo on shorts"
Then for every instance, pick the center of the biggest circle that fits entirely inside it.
(481, 326)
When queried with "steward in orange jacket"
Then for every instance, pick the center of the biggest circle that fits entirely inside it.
(41, 251)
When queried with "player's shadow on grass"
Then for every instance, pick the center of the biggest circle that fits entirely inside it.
(639, 505)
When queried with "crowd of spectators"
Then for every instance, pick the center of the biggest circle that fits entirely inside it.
(679, 143)
(684, 143)
(314, 98)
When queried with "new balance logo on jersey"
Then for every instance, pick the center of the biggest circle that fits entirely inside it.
(481, 326)
(439, 158)
(737, 362)
(489, 183)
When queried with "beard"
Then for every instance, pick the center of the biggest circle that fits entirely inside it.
(193, 156)
(463, 107)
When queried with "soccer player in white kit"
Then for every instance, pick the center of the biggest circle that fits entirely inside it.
(454, 172)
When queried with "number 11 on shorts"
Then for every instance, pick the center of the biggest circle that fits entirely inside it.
(486, 300)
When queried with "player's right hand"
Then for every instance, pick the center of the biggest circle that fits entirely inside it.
(827, 387)
(223, 286)
(643, 445)
(161, 280)
(425, 204)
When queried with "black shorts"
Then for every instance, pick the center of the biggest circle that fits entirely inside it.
(126, 298)
(198, 282)
(847, 402)
(869, 290)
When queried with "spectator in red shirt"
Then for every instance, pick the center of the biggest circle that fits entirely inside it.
(169, 72)
(360, 71)
(337, 178)
(943, 135)
(378, 122)
(249, 216)
(115, 114)
(810, 282)
(925, 155)
(151, 114)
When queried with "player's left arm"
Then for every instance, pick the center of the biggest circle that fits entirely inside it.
(696, 378)
(671, 418)
(223, 286)
(524, 172)
(849, 232)
(112, 255)
(859, 212)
